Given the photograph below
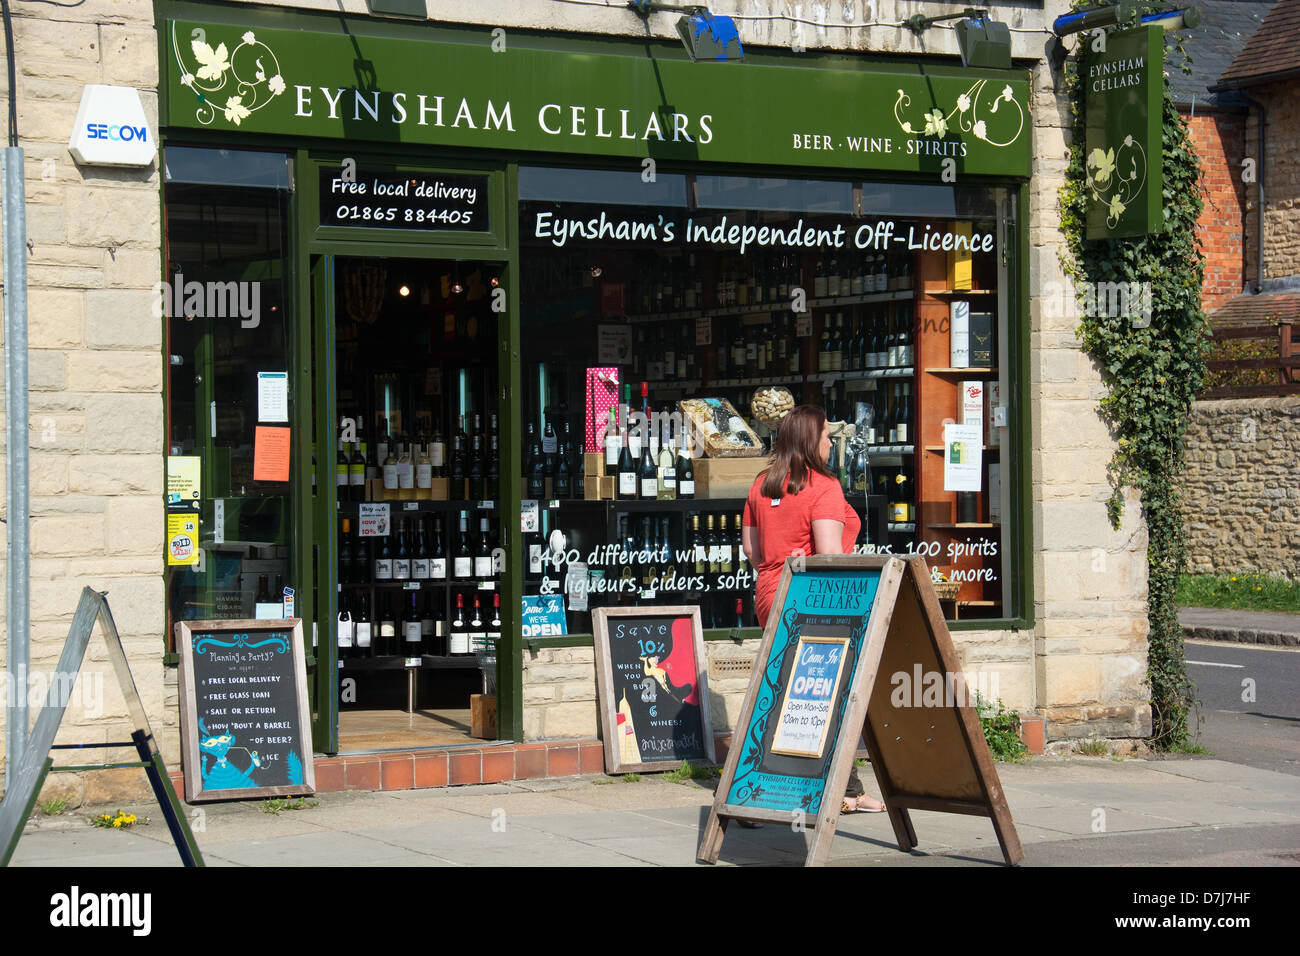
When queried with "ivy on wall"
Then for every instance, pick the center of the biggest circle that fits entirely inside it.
(1152, 376)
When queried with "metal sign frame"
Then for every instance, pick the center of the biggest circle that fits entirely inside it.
(36, 763)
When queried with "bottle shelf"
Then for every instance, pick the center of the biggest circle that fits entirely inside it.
(960, 292)
(939, 448)
(891, 450)
(764, 308)
(902, 528)
(990, 372)
(963, 525)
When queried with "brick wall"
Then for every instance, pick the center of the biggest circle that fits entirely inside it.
(1219, 141)
(96, 429)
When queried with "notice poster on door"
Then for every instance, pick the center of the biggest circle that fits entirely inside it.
(962, 455)
(183, 481)
(271, 454)
(805, 714)
(182, 539)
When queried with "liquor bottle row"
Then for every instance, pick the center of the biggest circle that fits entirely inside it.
(674, 285)
(417, 626)
(643, 459)
(414, 554)
(410, 465)
(880, 337)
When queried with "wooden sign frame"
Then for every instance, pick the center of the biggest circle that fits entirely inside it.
(194, 789)
(924, 757)
(608, 706)
(29, 773)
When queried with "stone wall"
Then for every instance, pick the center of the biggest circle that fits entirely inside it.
(96, 430)
(1089, 579)
(560, 682)
(1241, 486)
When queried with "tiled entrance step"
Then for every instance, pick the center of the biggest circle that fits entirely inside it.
(457, 766)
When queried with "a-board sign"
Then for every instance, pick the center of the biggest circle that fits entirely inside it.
(651, 675)
(245, 726)
(841, 627)
(403, 200)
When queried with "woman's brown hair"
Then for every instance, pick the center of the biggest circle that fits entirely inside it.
(795, 453)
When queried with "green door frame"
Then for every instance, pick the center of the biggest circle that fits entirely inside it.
(314, 327)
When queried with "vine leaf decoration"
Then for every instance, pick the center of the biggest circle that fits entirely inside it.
(1111, 188)
(966, 115)
(248, 77)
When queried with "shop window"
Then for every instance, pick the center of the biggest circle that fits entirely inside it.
(228, 360)
(887, 305)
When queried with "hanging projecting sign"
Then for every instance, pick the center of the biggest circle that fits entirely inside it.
(110, 128)
(1124, 74)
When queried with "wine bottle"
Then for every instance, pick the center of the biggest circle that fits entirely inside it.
(477, 628)
(613, 445)
(494, 625)
(724, 546)
(343, 487)
(346, 642)
(387, 630)
(483, 555)
(430, 627)
(402, 558)
(685, 470)
(362, 627)
(649, 474)
(383, 567)
(357, 473)
(462, 563)
(627, 471)
(711, 542)
(700, 548)
(391, 468)
(458, 637)
(347, 557)
(438, 554)
(412, 636)
(420, 570)
(667, 490)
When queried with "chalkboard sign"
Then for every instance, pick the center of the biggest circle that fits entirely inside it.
(403, 200)
(654, 695)
(245, 727)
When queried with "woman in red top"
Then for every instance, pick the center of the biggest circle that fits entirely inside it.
(796, 507)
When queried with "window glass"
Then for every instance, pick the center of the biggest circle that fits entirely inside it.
(228, 363)
(767, 292)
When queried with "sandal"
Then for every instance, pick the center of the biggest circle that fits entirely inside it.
(845, 807)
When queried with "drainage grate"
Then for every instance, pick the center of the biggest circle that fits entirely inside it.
(721, 667)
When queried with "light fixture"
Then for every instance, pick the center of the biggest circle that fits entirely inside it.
(1170, 17)
(706, 36)
(404, 290)
(983, 42)
(596, 272)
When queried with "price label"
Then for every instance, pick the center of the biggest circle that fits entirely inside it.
(412, 662)
(803, 325)
(704, 331)
(411, 506)
(528, 515)
(374, 521)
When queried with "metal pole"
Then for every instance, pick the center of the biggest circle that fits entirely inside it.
(18, 565)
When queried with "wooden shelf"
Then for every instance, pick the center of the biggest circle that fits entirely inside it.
(960, 291)
(973, 524)
(984, 447)
(962, 371)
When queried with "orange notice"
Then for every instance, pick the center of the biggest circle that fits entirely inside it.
(271, 454)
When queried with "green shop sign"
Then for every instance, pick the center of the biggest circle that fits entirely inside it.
(420, 86)
(1123, 113)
